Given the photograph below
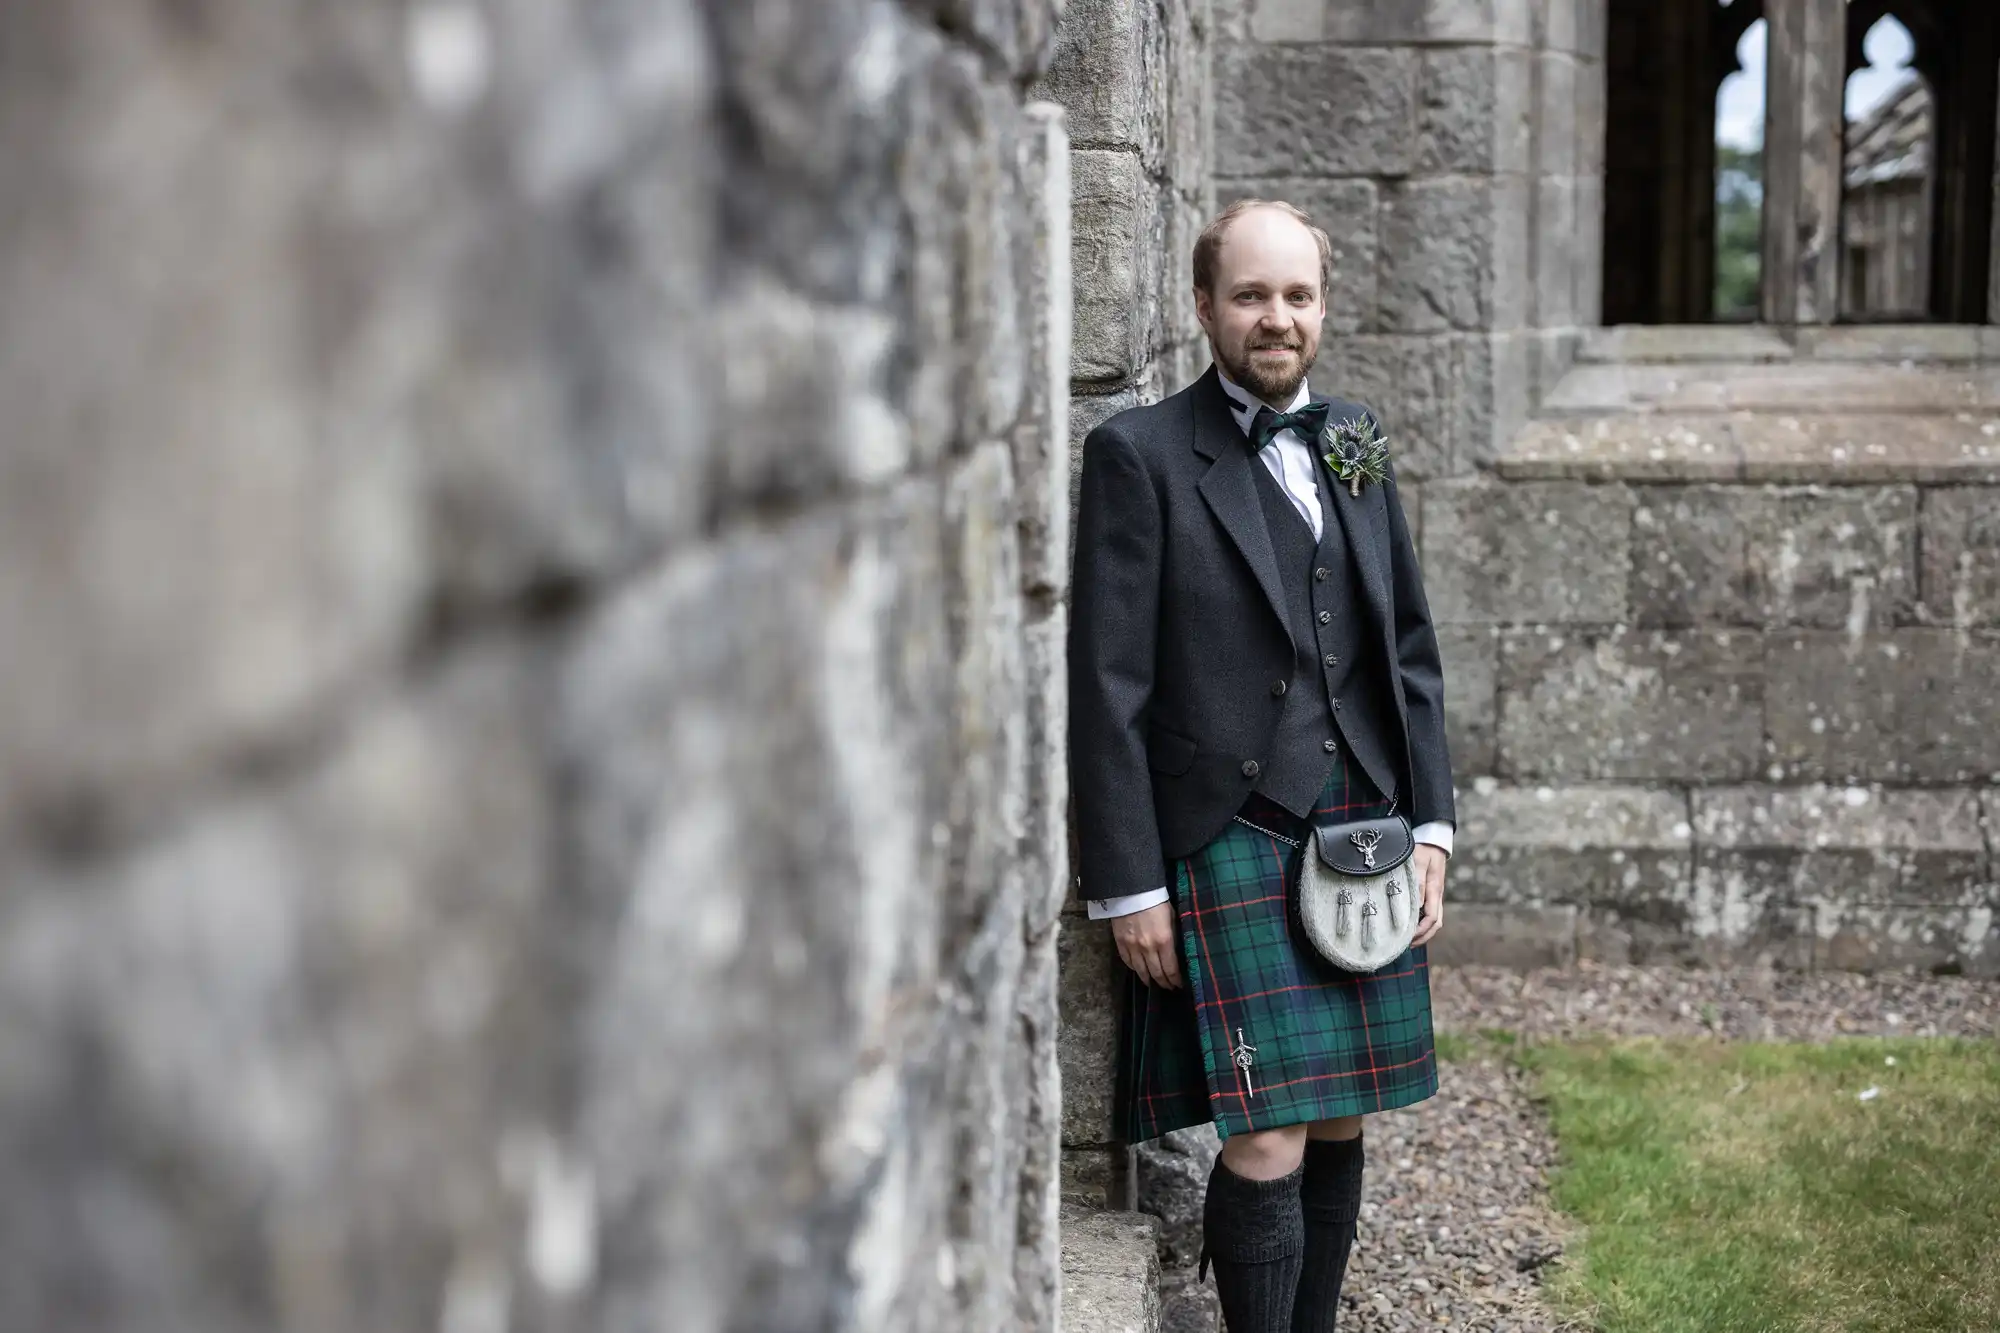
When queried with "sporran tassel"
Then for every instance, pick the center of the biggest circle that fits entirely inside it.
(1367, 926)
(1340, 923)
(1395, 917)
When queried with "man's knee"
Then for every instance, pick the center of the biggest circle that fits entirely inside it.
(1265, 1154)
(1341, 1127)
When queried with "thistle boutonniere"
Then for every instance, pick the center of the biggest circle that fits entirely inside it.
(1357, 453)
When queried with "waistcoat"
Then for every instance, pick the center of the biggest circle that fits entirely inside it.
(1324, 610)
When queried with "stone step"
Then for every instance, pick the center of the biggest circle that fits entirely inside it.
(1788, 445)
(1110, 1272)
(1693, 344)
(1851, 878)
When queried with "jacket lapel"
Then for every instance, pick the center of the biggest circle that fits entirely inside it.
(1230, 488)
(1357, 517)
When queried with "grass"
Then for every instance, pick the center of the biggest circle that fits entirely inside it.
(1744, 1188)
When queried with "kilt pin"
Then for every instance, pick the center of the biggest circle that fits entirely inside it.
(1264, 1031)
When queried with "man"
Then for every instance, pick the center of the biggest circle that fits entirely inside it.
(1250, 653)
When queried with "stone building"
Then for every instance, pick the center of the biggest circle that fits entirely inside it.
(533, 546)
(1885, 209)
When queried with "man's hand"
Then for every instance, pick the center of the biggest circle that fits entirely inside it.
(1146, 943)
(1430, 878)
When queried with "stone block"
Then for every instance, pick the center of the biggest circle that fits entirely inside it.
(1889, 342)
(318, 1003)
(1496, 371)
(1961, 556)
(1762, 556)
(1591, 118)
(1779, 936)
(1171, 1176)
(1530, 846)
(1626, 447)
(1111, 1272)
(1476, 110)
(1092, 977)
(1412, 385)
(1844, 448)
(1187, 1304)
(1910, 705)
(1391, 21)
(1095, 1176)
(1557, 130)
(1113, 213)
(1315, 110)
(1618, 705)
(1348, 211)
(1037, 1248)
(1628, 344)
(1556, 226)
(1041, 441)
(1843, 845)
(1097, 72)
(1526, 553)
(1871, 938)
(1587, 259)
(1454, 254)
(1504, 935)
(1471, 655)
(1044, 853)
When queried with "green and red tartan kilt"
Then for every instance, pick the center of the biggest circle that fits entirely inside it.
(1328, 1042)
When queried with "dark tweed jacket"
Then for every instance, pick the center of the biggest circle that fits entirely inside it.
(1178, 630)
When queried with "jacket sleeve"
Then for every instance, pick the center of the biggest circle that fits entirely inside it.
(1114, 624)
(1422, 673)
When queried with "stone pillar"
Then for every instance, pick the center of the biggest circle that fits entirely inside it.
(1803, 129)
(1135, 80)
(532, 546)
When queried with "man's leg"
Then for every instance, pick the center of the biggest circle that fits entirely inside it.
(1252, 1229)
(1330, 1200)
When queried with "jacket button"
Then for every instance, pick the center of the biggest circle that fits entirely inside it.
(1325, 617)
(1336, 705)
(1320, 575)
(1332, 660)
(1277, 688)
(1330, 746)
(1250, 769)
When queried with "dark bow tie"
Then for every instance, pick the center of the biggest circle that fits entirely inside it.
(1308, 421)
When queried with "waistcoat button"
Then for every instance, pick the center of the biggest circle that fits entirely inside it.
(1330, 746)
(1277, 688)
(1250, 768)
(1320, 575)
(1332, 660)
(1325, 617)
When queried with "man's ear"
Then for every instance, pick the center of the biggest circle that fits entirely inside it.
(1204, 309)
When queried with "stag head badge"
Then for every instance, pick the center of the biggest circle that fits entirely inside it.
(1367, 841)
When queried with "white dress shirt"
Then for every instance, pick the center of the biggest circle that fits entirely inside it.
(1289, 460)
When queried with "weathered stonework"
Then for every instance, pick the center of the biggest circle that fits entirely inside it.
(532, 544)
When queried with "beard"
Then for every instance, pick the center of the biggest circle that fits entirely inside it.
(1272, 379)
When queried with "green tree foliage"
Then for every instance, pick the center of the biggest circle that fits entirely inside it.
(1739, 212)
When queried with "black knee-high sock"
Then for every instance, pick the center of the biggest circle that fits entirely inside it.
(1255, 1237)
(1330, 1202)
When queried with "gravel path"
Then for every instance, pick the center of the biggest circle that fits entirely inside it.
(1455, 1228)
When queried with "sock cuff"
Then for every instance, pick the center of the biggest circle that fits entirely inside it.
(1253, 1221)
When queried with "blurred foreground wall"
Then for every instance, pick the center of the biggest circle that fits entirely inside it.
(530, 577)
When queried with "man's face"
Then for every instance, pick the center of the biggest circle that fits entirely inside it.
(1263, 315)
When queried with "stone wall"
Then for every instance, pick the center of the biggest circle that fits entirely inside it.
(1454, 150)
(1134, 77)
(1722, 642)
(531, 549)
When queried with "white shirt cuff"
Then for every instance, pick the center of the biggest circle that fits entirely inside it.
(1437, 833)
(1130, 903)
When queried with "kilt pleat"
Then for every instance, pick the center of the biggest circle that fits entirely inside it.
(1324, 1042)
